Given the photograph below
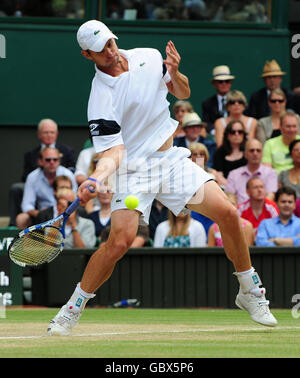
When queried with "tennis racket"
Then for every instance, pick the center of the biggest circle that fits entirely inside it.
(43, 242)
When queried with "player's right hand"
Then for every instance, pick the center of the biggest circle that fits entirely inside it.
(87, 191)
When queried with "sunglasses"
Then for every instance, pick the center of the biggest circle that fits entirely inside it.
(49, 159)
(233, 132)
(276, 100)
(232, 102)
(224, 81)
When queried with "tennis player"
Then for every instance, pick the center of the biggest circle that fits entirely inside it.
(130, 125)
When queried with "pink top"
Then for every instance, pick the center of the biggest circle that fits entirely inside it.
(218, 238)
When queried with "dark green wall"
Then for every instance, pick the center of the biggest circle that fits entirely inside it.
(44, 75)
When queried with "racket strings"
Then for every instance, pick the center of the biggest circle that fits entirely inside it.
(37, 246)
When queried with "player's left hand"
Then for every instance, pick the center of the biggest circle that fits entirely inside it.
(173, 59)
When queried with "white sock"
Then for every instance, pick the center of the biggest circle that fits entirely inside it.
(246, 272)
(79, 299)
(249, 280)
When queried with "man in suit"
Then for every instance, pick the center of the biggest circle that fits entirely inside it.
(214, 107)
(272, 76)
(47, 133)
(195, 131)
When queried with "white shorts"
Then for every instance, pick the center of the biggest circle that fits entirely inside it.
(168, 176)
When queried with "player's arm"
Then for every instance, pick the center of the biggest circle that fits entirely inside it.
(179, 84)
(109, 162)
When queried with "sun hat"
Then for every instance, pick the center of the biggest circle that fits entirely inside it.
(222, 73)
(272, 68)
(191, 119)
(93, 35)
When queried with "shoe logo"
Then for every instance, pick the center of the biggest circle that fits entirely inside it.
(141, 64)
(255, 279)
(96, 32)
(118, 200)
(78, 302)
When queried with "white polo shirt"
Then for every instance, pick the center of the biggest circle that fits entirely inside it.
(132, 108)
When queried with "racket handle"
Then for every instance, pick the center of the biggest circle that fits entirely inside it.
(74, 205)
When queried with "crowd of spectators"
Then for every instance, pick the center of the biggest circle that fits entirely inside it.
(193, 10)
(251, 149)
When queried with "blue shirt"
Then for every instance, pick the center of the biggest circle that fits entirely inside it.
(274, 228)
(38, 193)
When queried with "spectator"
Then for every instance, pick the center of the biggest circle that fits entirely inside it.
(142, 236)
(269, 127)
(257, 207)
(101, 218)
(230, 155)
(38, 190)
(272, 76)
(180, 108)
(236, 105)
(214, 235)
(195, 131)
(158, 214)
(237, 178)
(291, 177)
(180, 231)
(214, 107)
(47, 133)
(79, 231)
(283, 230)
(200, 155)
(276, 150)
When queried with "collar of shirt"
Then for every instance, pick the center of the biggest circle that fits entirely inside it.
(52, 145)
(112, 80)
(258, 172)
(291, 220)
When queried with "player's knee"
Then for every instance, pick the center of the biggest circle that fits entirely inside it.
(118, 246)
(228, 214)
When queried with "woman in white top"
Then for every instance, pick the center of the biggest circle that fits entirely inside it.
(236, 105)
(180, 231)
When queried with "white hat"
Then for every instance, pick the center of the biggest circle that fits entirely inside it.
(93, 35)
(192, 119)
(222, 73)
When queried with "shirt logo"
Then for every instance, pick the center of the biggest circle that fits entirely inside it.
(96, 32)
(94, 129)
(141, 64)
(118, 200)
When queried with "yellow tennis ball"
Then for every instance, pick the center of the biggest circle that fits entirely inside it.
(131, 202)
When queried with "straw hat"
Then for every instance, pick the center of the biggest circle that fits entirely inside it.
(222, 73)
(272, 68)
(191, 119)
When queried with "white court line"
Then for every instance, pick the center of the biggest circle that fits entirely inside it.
(152, 332)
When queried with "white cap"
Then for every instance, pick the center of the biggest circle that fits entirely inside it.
(93, 35)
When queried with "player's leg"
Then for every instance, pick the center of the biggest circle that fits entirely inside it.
(213, 203)
(124, 225)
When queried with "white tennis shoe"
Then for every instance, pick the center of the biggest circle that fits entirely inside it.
(258, 307)
(67, 318)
